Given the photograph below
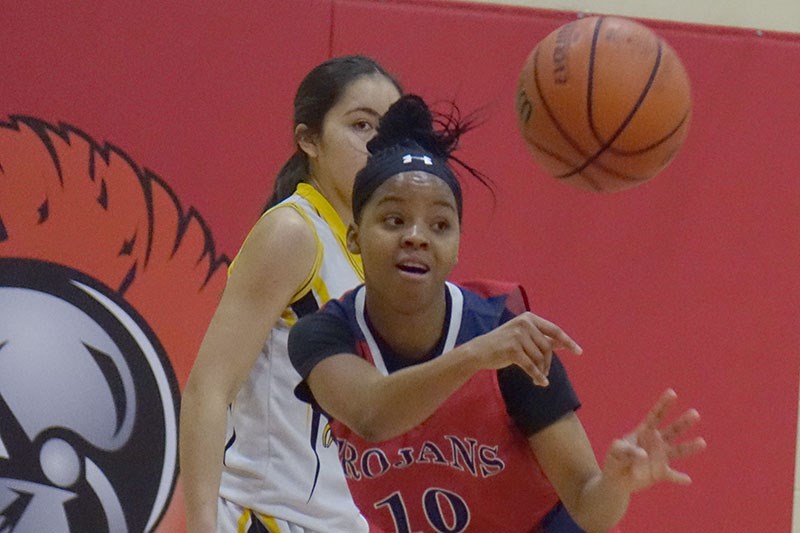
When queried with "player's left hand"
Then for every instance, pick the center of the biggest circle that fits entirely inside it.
(642, 458)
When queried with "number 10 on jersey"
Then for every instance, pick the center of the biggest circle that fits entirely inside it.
(445, 511)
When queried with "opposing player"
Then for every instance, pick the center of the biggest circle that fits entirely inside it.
(451, 413)
(253, 457)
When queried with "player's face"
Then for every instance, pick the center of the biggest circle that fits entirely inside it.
(408, 237)
(340, 149)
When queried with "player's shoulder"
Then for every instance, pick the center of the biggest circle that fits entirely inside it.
(482, 312)
(331, 315)
(286, 220)
(282, 232)
(281, 244)
(494, 295)
(342, 307)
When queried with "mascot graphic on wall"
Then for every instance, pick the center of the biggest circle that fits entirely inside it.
(106, 288)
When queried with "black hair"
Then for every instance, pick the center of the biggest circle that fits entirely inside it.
(412, 137)
(319, 91)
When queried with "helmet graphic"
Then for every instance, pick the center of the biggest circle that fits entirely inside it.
(88, 415)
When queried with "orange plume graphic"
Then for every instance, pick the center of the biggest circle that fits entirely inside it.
(66, 199)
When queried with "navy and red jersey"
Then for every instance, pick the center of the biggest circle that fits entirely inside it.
(467, 467)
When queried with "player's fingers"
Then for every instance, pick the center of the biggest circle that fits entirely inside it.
(530, 359)
(541, 345)
(685, 449)
(558, 336)
(536, 374)
(657, 412)
(543, 341)
(674, 476)
(548, 359)
(533, 344)
(541, 363)
(680, 425)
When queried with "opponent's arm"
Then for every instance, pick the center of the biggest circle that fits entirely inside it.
(275, 259)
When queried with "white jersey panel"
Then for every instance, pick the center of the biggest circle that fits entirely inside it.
(280, 460)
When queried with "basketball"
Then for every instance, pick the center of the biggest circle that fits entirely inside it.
(603, 103)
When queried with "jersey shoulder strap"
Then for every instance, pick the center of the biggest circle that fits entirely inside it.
(514, 293)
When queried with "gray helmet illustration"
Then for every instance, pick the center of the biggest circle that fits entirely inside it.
(88, 416)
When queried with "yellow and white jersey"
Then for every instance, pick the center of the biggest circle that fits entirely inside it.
(279, 459)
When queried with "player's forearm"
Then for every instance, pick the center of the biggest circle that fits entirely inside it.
(601, 505)
(202, 432)
(397, 403)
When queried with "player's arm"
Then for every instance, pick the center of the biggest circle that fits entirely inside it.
(597, 499)
(379, 407)
(566, 457)
(275, 259)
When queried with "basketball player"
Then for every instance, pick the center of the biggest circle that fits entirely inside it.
(451, 413)
(253, 457)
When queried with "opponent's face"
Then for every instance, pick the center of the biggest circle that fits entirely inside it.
(408, 237)
(339, 151)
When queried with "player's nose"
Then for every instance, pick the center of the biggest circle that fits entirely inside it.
(415, 236)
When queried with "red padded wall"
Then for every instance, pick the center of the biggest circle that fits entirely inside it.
(201, 93)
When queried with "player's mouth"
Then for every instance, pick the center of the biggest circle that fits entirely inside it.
(413, 268)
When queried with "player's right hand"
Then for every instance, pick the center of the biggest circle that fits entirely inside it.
(527, 341)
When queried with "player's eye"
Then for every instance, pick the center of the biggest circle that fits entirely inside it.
(393, 221)
(441, 225)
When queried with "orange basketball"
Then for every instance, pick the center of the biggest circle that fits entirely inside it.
(603, 103)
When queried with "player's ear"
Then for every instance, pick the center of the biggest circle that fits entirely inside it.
(352, 239)
(306, 140)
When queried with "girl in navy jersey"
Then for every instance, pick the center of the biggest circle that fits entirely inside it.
(451, 411)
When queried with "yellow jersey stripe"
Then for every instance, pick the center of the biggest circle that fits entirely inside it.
(331, 217)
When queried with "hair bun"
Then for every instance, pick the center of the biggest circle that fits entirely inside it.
(409, 121)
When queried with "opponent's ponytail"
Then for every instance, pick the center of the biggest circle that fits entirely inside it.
(319, 91)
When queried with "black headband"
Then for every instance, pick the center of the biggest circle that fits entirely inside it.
(392, 161)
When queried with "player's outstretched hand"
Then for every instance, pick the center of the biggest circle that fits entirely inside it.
(642, 458)
(528, 341)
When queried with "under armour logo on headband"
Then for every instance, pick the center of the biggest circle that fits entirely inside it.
(408, 158)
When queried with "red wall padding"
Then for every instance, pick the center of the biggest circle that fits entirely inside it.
(688, 281)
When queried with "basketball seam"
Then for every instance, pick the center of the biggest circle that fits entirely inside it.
(604, 145)
(574, 144)
(623, 153)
